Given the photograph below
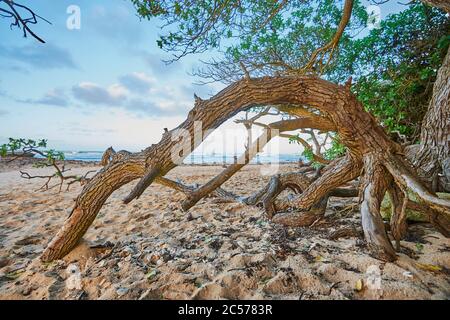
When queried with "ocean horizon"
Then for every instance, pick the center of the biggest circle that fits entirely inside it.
(196, 158)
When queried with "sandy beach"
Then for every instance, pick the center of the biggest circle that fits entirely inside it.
(150, 249)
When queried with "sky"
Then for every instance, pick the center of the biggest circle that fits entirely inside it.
(103, 84)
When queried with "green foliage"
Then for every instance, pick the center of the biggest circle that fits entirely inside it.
(336, 149)
(258, 28)
(308, 154)
(22, 147)
(395, 66)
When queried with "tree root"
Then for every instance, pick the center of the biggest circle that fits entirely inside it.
(369, 148)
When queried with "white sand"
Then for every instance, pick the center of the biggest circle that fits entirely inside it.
(228, 251)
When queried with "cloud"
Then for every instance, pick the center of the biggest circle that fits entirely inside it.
(54, 97)
(40, 56)
(93, 93)
(83, 131)
(3, 113)
(15, 68)
(137, 82)
(137, 93)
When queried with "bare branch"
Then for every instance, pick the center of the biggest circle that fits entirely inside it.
(18, 20)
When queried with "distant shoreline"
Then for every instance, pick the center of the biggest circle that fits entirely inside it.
(94, 157)
(27, 162)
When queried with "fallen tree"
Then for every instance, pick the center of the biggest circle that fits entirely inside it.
(372, 156)
(293, 87)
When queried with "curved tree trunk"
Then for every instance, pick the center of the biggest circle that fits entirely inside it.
(434, 150)
(357, 129)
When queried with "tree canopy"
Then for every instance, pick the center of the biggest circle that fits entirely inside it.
(393, 67)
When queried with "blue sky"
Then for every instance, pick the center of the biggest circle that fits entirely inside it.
(101, 85)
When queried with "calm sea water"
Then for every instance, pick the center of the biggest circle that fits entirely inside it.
(193, 158)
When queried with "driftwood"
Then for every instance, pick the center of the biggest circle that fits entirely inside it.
(372, 156)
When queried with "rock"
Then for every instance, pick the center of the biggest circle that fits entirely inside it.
(215, 244)
(122, 291)
(4, 262)
(55, 290)
(28, 240)
(167, 255)
(26, 291)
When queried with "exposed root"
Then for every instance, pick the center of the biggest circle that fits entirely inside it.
(405, 178)
(398, 224)
(346, 232)
(366, 141)
(373, 188)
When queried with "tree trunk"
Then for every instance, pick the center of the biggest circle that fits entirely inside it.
(357, 129)
(434, 150)
(373, 188)
(441, 4)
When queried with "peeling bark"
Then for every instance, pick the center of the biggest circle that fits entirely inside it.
(434, 148)
(357, 129)
(373, 188)
(441, 4)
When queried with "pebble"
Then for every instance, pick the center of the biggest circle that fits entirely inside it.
(122, 291)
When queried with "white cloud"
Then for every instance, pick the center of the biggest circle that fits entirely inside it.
(93, 93)
(138, 82)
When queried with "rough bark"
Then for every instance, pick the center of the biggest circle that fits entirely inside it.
(441, 4)
(398, 222)
(107, 156)
(271, 130)
(357, 129)
(373, 188)
(434, 149)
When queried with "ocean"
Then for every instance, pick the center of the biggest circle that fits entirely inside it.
(194, 158)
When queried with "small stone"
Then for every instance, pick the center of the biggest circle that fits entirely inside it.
(122, 291)
(26, 291)
(4, 262)
(408, 274)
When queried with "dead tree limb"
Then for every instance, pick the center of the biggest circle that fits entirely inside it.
(270, 132)
(107, 156)
(357, 129)
(12, 11)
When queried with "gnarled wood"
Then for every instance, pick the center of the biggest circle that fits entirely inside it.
(272, 130)
(107, 156)
(398, 222)
(373, 188)
(434, 149)
(357, 129)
